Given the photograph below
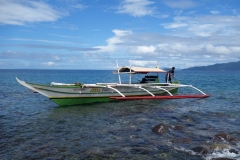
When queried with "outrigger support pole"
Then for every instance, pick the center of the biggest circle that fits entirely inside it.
(146, 91)
(116, 90)
(197, 89)
(163, 89)
(182, 85)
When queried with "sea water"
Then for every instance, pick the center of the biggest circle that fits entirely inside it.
(33, 127)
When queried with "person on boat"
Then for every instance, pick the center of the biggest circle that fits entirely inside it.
(169, 74)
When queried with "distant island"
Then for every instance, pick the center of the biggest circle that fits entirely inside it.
(223, 66)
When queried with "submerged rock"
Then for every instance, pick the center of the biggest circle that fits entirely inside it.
(226, 137)
(223, 159)
(160, 128)
(200, 150)
(233, 151)
(143, 150)
(182, 140)
(219, 146)
(179, 127)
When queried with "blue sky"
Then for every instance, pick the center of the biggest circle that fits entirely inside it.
(93, 34)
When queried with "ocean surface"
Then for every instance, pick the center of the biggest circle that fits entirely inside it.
(34, 127)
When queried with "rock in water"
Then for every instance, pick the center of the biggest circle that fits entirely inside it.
(160, 128)
(226, 137)
(200, 150)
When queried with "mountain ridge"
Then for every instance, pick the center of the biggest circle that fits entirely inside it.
(219, 66)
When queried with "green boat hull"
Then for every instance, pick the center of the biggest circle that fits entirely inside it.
(78, 100)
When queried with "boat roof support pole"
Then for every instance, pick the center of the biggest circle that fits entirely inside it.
(119, 78)
(130, 78)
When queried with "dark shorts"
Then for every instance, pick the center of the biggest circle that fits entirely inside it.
(168, 78)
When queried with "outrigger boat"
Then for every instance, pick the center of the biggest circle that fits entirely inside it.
(149, 88)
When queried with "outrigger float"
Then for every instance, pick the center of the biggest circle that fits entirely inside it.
(149, 88)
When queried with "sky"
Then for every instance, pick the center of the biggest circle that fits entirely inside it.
(94, 34)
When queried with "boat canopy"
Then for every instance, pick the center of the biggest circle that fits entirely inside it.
(139, 70)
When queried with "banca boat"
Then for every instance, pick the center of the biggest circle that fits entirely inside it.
(149, 88)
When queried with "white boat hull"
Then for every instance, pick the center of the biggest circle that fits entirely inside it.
(79, 94)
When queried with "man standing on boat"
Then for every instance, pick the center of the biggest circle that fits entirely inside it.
(169, 75)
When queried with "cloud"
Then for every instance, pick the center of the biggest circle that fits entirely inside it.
(63, 36)
(112, 43)
(79, 6)
(174, 25)
(73, 60)
(38, 40)
(178, 49)
(48, 63)
(40, 46)
(204, 26)
(187, 43)
(13, 55)
(143, 63)
(136, 8)
(214, 12)
(14, 12)
(218, 49)
(27, 56)
(57, 58)
(235, 12)
(64, 25)
(142, 50)
(181, 4)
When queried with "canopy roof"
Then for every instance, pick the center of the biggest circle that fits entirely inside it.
(140, 70)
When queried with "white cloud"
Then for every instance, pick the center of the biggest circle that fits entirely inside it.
(39, 40)
(143, 63)
(204, 26)
(178, 12)
(57, 58)
(79, 6)
(122, 32)
(235, 12)
(182, 4)
(63, 36)
(178, 48)
(214, 12)
(136, 8)
(115, 40)
(57, 47)
(142, 50)
(48, 63)
(207, 56)
(200, 40)
(203, 30)
(21, 12)
(235, 49)
(218, 49)
(174, 25)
